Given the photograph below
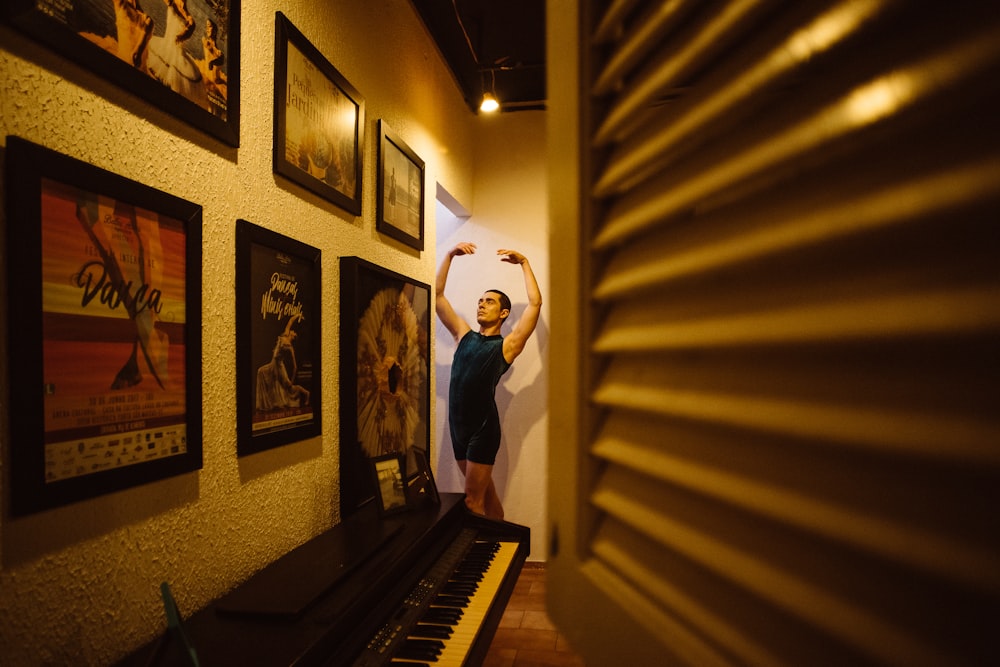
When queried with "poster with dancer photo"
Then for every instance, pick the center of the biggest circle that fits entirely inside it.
(278, 357)
(180, 55)
(108, 331)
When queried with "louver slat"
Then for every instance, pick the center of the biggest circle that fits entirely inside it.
(794, 440)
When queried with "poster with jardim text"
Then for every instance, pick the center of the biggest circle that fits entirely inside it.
(319, 121)
(103, 338)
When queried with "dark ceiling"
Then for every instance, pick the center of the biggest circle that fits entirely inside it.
(491, 43)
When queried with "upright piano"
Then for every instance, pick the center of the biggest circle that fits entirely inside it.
(427, 586)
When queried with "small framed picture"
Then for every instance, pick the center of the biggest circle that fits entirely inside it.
(420, 487)
(400, 190)
(319, 121)
(388, 473)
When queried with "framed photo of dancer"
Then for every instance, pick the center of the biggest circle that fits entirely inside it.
(278, 378)
(105, 364)
(181, 56)
(389, 477)
(384, 372)
(319, 121)
(400, 190)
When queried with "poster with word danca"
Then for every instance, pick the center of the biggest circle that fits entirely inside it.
(113, 330)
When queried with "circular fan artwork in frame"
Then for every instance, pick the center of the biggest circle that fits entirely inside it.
(391, 373)
(384, 374)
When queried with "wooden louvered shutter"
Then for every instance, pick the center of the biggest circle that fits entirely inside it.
(775, 407)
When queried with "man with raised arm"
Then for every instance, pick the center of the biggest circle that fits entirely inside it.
(481, 358)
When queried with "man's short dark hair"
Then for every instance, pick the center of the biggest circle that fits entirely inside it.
(504, 300)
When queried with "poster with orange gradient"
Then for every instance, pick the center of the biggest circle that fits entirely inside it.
(113, 330)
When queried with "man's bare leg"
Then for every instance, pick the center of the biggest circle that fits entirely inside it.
(480, 493)
(494, 509)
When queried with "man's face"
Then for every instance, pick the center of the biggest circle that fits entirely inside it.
(489, 311)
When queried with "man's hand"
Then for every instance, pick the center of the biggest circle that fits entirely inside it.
(511, 256)
(463, 248)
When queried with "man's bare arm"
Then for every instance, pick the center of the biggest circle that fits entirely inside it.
(514, 343)
(445, 312)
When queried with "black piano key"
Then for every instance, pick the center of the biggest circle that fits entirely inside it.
(428, 631)
(420, 649)
(465, 581)
(458, 601)
(476, 557)
(442, 615)
(449, 599)
(417, 654)
(445, 612)
(424, 644)
(477, 560)
(474, 575)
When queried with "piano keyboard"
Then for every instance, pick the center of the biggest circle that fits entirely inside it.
(439, 620)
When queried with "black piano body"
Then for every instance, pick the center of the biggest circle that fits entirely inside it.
(339, 599)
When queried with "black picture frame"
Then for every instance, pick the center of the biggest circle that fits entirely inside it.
(389, 479)
(400, 210)
(384, 371)
(319, 121)
(106, 270)
(196, 79)
(420, 487)
(278, 339)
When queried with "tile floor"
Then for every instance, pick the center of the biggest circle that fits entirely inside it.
(526, 637)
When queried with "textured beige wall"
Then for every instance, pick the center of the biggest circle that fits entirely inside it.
(79, 584)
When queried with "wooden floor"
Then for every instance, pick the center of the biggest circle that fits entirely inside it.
(526, 637)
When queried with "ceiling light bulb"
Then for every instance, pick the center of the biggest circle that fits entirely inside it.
(489, 104)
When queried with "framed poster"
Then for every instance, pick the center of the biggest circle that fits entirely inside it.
(105, 330)
(388, 475)
(181, 56)
(384, 372)
(319, 121)
(400, 190)
(278, 379)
